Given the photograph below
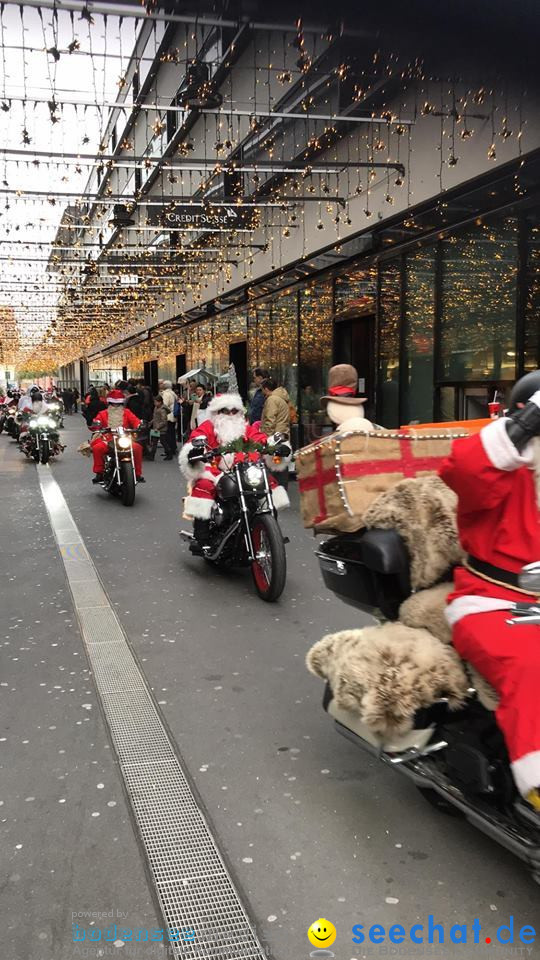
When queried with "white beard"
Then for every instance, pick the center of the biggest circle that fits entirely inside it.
(229, 428)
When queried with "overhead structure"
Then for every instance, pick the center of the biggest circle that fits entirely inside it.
(155, 160)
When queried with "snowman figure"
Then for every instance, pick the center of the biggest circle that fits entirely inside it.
(343, 405)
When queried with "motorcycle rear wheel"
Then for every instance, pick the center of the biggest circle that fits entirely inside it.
(269, 571)
(127, 477)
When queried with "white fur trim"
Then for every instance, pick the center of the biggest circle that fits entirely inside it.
(191, 471)
(198, 508)
(356, 423)
(277, 467)
(526, 772)
(535, 398)
(280, 498)
(464, 606)
(225, 400)
(500, 449)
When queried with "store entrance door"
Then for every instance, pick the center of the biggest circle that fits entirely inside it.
(238, 356)
(151, 375)
(354, 342)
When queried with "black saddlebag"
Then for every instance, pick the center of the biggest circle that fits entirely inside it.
(368, 570)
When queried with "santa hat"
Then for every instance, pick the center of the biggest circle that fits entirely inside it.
(232, 401)
(115, 396)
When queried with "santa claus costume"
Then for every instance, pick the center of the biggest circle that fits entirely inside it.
(227, 424)
(116, 415)
(496, 475)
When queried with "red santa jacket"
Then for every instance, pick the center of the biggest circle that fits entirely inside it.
(129, 420)
(498, 515)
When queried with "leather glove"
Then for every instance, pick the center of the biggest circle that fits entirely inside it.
(196, 454)
(282, 450)
(524, 424)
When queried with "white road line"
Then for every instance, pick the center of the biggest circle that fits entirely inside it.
(197, 895)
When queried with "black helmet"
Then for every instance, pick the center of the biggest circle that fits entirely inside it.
(524, 389)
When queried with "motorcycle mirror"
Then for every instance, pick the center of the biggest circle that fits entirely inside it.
(529, 578)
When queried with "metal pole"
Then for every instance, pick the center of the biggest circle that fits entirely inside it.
(119, 10)
(224, 111)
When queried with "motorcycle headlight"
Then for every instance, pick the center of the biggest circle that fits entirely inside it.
(124, 442)
(43, 421)
(51, 423)
(33, 424)
(254, 476)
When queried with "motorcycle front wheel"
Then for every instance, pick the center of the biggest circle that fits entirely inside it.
(127, 478)
(269, 569)
(44, 453)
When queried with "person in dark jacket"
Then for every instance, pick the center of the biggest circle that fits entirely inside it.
(257, 403)
(134, 400)
(94, 403)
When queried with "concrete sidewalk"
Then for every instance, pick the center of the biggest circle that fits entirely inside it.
(68, 844)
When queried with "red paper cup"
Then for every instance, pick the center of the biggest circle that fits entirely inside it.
(494, 409)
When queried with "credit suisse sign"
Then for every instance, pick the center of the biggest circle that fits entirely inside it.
(199, 216)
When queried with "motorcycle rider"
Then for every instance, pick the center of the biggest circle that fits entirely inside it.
(227, 426)
(115, 415)
(496, 476)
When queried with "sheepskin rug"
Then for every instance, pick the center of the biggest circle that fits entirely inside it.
(426, 609)
(423, 511)
(385, 673)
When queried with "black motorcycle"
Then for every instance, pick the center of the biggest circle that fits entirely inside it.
(243, 529)
(119, 471)
(12, 426)
(456, 758)
(5, 412)
(40, 441)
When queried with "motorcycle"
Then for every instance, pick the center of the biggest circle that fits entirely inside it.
(6, 411)
(456, 758)
(244, 529)
(40, 440)
(119, 469)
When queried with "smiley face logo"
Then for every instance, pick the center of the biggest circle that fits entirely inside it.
(322, 933)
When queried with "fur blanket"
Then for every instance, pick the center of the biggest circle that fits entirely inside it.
(384, 674)
(423, 512)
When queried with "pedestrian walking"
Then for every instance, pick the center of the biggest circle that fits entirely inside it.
(159, 430)
(276, 418)
(257, 401)
(169, 400)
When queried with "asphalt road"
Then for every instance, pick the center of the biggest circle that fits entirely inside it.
(309, 824)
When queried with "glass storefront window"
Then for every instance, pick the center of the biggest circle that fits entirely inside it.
(478, 303)
(389, 324)
(316, 326)
(419, 320)
(356, 291)
(273, 336)
(532, 303)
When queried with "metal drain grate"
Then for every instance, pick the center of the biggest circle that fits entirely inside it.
(195, 890)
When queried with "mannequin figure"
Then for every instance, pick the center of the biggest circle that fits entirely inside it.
(344, 408)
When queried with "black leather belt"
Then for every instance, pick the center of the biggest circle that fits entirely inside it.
(490, 572)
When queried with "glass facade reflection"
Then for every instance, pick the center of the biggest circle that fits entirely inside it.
(417, 391)
(448, 322)
(478, 315)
